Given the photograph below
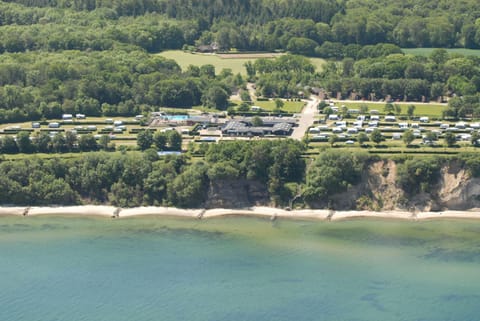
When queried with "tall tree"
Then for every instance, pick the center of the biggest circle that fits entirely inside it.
(144, 139)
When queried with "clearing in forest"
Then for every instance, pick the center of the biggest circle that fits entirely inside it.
(234, 61)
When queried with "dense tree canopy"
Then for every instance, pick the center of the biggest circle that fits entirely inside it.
(333, 172)
(144, 179)
(98, 83)
(296, 25)
(404, 77)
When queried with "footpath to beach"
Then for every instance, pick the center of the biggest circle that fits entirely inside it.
(266, 212)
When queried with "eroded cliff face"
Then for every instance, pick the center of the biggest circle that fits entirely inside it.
(456, 190)
(378, 190)
(237, 194)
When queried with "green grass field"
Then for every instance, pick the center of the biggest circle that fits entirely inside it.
(289, 106)
(236, 64)
(397, 147)
(428, 51)
(430, 110)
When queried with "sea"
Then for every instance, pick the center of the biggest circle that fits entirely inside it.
(237, 268)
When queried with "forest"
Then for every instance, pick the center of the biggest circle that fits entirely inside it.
(110, 83)
(132, 179)
(404, 77)
(127, 179)
(97, 57)
(126, 83)
(265, 24)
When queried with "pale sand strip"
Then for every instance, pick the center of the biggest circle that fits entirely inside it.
(449, 215)
(161, 211)
(398, 215)
(265, 212)
(14, 210)
(95, 210)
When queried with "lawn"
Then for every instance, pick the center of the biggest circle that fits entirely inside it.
(236, 64)
(269, 105)
(431, 110)
(289, 106)
(89, 120)
(428, 51)
(396, 147)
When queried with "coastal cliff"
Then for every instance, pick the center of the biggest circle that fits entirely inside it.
(239, 175)
(236, 194)
(379, 189)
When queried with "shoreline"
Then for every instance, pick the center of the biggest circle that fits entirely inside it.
(265, 212)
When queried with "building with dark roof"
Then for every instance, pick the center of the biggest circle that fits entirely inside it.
(245, 128)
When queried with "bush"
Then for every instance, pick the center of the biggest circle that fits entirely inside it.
(418, 174)
(333, 172)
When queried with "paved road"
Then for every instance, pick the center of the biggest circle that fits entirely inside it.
(306, 119)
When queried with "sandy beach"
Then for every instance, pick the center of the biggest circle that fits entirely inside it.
(266, 212)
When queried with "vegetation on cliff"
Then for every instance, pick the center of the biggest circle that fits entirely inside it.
(145, 179)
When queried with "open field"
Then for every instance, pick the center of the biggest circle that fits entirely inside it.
(428, 51)
(318, 63)
(233, 61)
(397, 147)
(421, 109)
(269, 105)
(252, 55)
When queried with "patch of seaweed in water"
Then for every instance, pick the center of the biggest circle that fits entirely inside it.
(177, 232)
(460, 297)
(377, 285)
(49, 227)
(18, 227)
(373, 300)
(370, 237)
(453, 255)
(472, 229)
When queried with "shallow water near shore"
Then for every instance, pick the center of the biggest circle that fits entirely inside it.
(237, 268)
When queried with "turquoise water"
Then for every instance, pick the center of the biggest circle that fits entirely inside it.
(177, 117)
(56, 268)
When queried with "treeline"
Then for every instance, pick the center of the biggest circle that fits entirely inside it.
(62, 29)
(285, 76)
(134, 180)
(43, 142)
(463, 107)
(108, 83)
(145, 179)
(70, 141)
(404, 77)
(240, 11)
(30, 29)
(310, 27)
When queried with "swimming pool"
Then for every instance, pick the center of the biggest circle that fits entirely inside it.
(176, 117)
